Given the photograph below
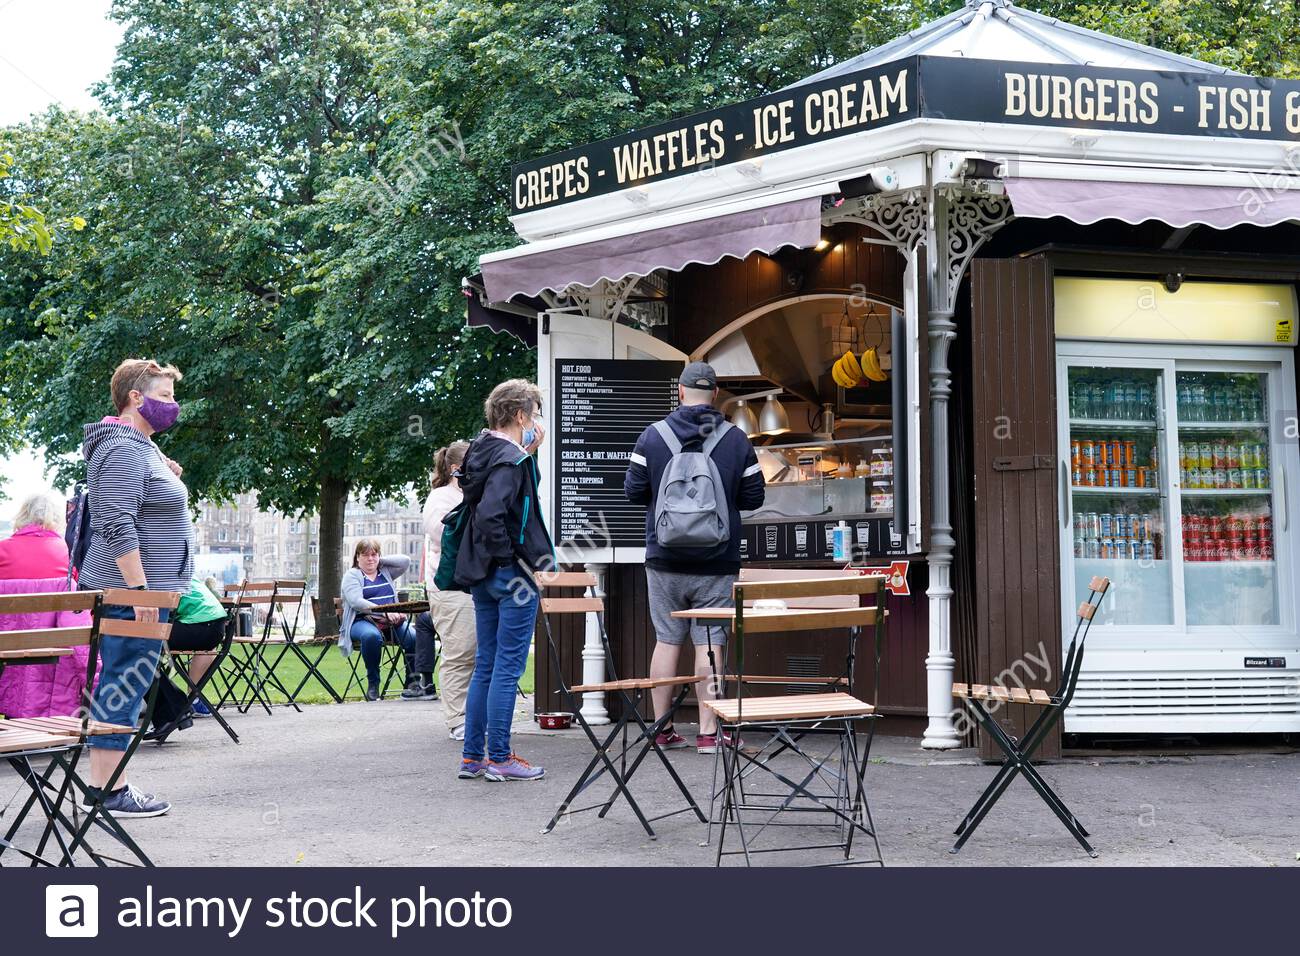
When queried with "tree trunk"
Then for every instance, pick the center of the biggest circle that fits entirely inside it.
(333, 502)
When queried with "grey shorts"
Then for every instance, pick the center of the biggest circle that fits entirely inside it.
(670, 591)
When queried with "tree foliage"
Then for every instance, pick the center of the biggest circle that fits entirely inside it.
(281, 197)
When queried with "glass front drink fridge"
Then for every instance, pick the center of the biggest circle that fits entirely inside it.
(1174, 478)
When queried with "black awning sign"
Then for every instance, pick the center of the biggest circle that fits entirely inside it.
(729, 134)
(924, 87)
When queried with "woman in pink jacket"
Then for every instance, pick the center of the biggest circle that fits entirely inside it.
(36, 548)
(35, 559)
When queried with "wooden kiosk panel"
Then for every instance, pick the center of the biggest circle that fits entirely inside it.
(1017, 567)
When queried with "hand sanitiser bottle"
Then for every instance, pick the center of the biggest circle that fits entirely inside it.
(840, 542)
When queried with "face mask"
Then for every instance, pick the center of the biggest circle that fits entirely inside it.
(530, 436)
(159, 414)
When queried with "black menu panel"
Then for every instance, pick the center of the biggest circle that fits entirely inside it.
(873, 537)
(602, 406)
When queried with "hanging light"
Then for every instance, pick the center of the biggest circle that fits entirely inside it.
(743, 418)
(774, 420)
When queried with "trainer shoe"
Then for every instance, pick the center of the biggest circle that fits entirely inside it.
(471, 769)
(456, 733)
(419, 690)
(516, 768)
(708, 743)
(131, 803)
(201, 709)
(670, 739)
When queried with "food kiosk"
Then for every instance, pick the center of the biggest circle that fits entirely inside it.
(1007, 302)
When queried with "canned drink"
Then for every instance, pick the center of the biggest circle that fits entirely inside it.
(1107, 549)
(1135, 527)
(1094, 525)
(1089, 477)
(1076, 476)
(1236, 546)
(1092, 548)
(1115, 454)
(1148, 552)
(1224, 550)
(1251, 546)
(1265, 548)
(1130, 477)
(1130, 454)
(1088, 453)
(1141, 478)
(1107, 526)
(1080, 524)
(1076, 452)
(1080, 547)
(1192, 547)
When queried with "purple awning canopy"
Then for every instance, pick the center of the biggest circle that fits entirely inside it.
(1220, 207)
(671, 247)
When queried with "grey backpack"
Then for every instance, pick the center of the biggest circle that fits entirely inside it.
(691, 510)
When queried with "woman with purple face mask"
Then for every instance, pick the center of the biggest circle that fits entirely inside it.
(141, 537)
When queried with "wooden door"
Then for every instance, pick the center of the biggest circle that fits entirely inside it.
(1017, 562)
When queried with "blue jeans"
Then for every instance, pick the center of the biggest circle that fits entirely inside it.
(127, 667)
(371, 640)
(505, 612)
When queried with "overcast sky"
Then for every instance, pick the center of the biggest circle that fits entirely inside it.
(51, 51)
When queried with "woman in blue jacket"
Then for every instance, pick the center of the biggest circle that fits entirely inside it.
(503, 543)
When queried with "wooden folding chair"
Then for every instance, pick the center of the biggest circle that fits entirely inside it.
(195, 691)
(255, 667)
(633, 694)
(24, 738)
(982, 698)
(779, 743)
(289, 596)
(788, 720)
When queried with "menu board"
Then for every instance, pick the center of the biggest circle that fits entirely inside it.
(602, 407)
(872, 537)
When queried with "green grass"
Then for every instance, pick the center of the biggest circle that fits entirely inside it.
(337, 671)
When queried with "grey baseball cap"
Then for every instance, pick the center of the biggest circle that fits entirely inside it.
(699, 375)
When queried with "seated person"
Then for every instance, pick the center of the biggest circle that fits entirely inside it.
(199, 625)
(367, 586)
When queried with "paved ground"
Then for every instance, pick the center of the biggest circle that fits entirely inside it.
(373, 783)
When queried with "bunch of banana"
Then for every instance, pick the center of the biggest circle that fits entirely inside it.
(850, 371)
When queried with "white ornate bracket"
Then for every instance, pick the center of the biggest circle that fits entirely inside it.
(969, 218)
(899, 217)
(606, 299)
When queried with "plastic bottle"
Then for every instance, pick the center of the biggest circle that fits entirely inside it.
(840, 542)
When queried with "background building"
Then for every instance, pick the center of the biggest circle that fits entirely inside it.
(239, 539)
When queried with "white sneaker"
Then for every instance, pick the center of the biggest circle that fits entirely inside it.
(457, 734)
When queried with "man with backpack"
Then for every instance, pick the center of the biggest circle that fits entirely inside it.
(695, 473)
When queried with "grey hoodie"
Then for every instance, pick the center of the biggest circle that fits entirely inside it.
(136, 504)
